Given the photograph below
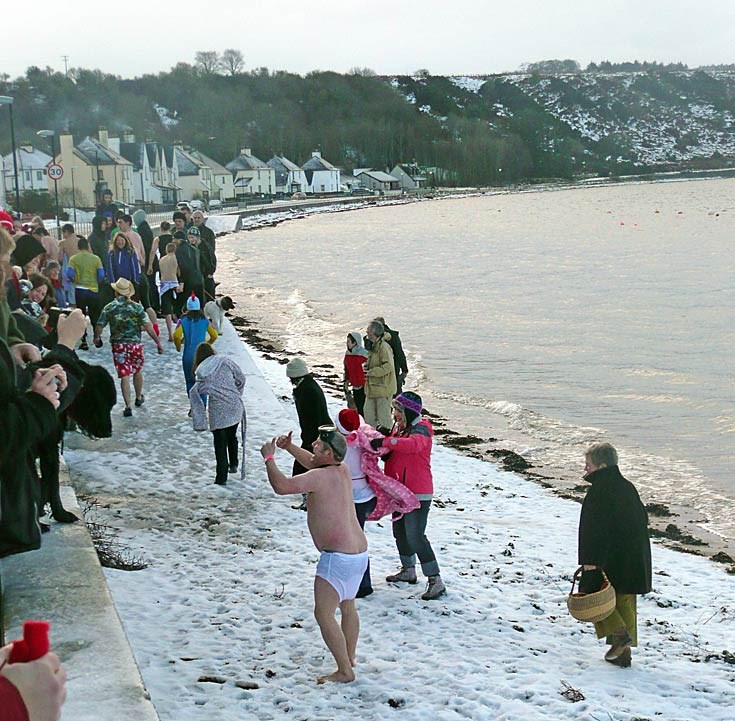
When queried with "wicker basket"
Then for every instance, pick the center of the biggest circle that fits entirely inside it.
(591, 607)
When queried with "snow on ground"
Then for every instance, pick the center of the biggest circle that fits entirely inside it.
(228, 592)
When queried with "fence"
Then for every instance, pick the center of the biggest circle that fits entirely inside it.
(154, 219)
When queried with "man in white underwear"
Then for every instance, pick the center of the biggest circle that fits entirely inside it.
(330, 514)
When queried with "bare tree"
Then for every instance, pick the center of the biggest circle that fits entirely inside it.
(233, 61)
(208, 61)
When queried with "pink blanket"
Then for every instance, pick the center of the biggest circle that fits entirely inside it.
(392, 495)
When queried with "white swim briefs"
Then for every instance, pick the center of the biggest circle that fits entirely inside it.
(343, 571)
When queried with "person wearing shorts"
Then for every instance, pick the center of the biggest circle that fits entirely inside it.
(170, 288)
(336, 534)
(126, 319)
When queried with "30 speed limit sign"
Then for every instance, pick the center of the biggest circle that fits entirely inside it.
(55, 171)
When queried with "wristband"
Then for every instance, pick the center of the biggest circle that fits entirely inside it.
(268, 458)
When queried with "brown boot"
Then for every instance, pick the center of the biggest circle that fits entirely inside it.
(623, 660)
(621, 643)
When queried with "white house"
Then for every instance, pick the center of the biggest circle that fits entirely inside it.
(289, 177)
(32, 164)
(223, 184)
(190, 174)
(409, 176)
(321, 176)
(378, 180)
(252, 175)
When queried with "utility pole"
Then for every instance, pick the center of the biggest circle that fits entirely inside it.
(66, 65)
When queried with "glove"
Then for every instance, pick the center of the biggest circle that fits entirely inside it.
(383, 429)
(376, 443)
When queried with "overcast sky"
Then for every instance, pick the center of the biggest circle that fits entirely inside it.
(390, 36)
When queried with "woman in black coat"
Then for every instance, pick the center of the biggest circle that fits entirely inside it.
(613, 537)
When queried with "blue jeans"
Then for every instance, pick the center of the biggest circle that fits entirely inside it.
(411, 540)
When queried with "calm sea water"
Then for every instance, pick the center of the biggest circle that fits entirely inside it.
(550, 319)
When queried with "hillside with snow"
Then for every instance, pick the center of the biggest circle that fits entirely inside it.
(614, 121)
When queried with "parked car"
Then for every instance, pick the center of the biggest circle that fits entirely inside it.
(215, 204)
(183, 204)
(196, 205)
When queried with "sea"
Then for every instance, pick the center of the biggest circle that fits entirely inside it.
(548, 320)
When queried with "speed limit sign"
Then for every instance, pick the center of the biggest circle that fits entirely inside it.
(55, 171)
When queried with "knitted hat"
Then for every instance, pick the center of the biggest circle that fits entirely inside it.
(348, 420)
(123, 287)
(297, 368)
(410, 401)
(26, 249)
(6, 221)
(193, 231)
(193, 303)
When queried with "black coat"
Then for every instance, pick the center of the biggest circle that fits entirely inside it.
(613, 531)
(25, 420)
(399, 357)
(311, 407)
(209, 240)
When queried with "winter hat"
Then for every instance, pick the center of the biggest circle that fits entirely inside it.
(26, 249)
(411, 404)
(348, 420)
(193, 303)
(297, 368)
(123, 287)
(359, 348)
(193, 231)
(6, 221)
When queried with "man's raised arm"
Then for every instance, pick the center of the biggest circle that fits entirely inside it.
(281, 484)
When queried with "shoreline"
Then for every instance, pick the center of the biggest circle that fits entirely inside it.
(670, 524)
(272, 215)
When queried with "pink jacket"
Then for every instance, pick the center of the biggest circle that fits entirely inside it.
(392, 497)
(410, 458)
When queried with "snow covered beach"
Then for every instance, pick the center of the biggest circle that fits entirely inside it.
(221, 624)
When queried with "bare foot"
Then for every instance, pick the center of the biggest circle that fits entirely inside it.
(353, 663)
(337, 677)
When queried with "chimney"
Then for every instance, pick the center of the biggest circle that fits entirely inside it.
(245, 151)
(103, 137)
(316, 154)
(66, 149)
(128, 136)
(113, 143)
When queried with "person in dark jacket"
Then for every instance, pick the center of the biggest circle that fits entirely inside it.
(207, 247)
(311, 406)
(399, 357)
(190, 271)
(98, 242)
(146, 235)
(107, 207)
(613, 537)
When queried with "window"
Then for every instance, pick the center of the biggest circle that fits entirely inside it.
(39, 175)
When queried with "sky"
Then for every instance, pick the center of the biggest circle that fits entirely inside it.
(387, 36)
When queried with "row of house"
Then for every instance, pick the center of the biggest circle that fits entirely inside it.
(154, 173)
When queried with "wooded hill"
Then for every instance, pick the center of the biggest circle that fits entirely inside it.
(481, 130)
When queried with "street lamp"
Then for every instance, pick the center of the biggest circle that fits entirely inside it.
(51, 134)
(7, 100)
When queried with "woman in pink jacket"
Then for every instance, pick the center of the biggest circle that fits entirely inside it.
(410, 462)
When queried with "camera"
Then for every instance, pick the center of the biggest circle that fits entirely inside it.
(54, 314)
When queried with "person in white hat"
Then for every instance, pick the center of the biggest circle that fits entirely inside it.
(126, 319)
(311, 406)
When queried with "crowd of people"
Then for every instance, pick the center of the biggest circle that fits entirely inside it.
(373, 460)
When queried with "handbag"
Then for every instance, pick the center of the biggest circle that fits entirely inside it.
(591, 607)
